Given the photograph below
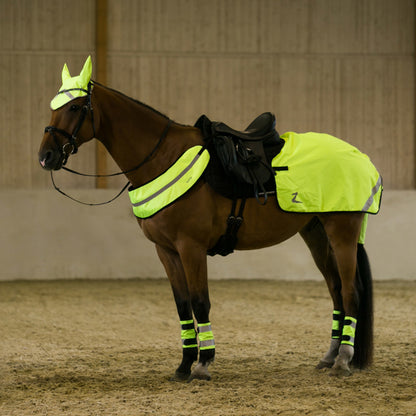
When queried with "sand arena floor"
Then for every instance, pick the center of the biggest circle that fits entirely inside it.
(109, 348)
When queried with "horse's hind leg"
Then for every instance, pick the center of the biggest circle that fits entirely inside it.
(316, 239)
(343, 230)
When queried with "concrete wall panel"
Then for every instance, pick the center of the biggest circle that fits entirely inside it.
(58, 239)
(342, 67)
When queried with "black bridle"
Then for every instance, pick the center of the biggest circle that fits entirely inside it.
(71, 146)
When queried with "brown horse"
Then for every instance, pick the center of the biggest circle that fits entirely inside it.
(183, 231)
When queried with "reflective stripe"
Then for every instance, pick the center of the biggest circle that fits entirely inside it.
(206, 337)
(71, 97)
(204, 328)
(168, 185)
(374, 191)
(206, 345)
(157, 194)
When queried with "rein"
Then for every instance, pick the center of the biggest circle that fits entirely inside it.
(72, 142)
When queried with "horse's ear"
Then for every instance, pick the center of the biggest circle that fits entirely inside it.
(86, 71)
(65, 73)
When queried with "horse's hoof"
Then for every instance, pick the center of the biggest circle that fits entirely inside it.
(206, 377)
(323, 364)
(200, 372)
(178, 376)
(340, 372)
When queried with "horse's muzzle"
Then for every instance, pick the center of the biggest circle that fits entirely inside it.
(51, 159)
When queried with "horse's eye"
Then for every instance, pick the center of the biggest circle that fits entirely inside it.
(74, 107)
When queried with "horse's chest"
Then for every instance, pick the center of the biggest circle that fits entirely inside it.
(156, 232)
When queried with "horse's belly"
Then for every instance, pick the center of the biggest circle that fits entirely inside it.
(268, 225)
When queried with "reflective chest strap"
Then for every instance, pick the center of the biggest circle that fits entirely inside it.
(162, 191)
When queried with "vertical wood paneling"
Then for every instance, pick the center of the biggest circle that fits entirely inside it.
(389, 26)
(390, 119)
(101, 46)
(36, 38)
(272, 26)
(41, 94)
(283, 26)
(46, 25)
(344, 67)
(360, 26)
(184, 25)
(306, 93)
(27, 92)
(14, 120)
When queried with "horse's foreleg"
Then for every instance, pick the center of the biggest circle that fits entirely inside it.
(343, 232)
(176, 275)
(316, 239)
(195, 266)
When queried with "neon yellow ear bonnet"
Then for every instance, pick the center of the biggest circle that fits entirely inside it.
(73, 87)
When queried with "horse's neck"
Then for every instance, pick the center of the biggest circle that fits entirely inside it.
(131, 131)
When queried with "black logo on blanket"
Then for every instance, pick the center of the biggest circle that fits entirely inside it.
(295, 194)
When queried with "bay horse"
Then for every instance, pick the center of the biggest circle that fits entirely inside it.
(185, 230)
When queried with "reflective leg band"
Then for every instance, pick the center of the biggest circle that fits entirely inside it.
(336, 324)
(206, 337)
(348, 331)
(188, 334)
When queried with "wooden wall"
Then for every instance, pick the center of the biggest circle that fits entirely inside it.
(36, 38)
(345, 67)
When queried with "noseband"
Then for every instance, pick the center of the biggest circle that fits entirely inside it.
(71, 146)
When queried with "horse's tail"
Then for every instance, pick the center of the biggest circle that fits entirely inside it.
(363, 348)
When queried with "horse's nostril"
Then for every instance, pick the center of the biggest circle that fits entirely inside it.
(48, 155)
(45, 158)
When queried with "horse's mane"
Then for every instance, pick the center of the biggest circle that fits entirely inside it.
(131, 99)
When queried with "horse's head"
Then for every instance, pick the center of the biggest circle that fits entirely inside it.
(72, 120)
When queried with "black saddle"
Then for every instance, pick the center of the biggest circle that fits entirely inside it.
(240, 165)
(261, 128)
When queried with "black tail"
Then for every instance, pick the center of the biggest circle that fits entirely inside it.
(363, 348)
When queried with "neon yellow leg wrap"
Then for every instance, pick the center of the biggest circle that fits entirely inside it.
(348, 331)
(188, 334)
(336, 324)
(206, 337)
